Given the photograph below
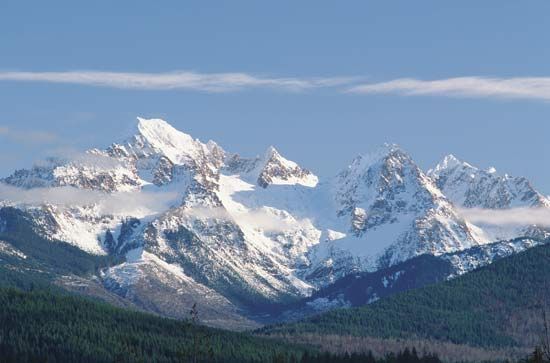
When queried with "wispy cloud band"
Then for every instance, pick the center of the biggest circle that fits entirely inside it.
(208, 82)
(521, 87)
(137, 203)
(27, 136)
(513, 216)
(474, 86)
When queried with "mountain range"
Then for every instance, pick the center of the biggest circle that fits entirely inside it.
(163, 220)
(495, 313)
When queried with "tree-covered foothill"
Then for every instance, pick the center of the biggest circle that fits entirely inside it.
(45, 326)
(495, 306)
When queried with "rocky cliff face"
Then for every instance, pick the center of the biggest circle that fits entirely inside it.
(390, 211)
(245, 233)
(470, 187)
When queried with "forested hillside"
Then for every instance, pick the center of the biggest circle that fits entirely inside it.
(42, 326)
(496, 306)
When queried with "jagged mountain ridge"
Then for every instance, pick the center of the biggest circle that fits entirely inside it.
(470, 187)
(387, 197)
(358, 289)
(248, 230)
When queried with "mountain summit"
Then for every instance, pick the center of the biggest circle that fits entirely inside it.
(202, 224)
(278, 170)
(470, 187)
(390, 211)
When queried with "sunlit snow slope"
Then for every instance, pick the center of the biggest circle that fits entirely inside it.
(247, 231)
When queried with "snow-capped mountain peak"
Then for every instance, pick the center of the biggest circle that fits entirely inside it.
(272, 152)
(449, 162)
(470, 187)
(391, 211)
(383, 175)
(164, 139)
(365, 161)
(264, 226)
(275, 169)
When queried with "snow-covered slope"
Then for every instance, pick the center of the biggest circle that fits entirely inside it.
(276, 170)
(470, 187)
(249, 231)
(390, 211)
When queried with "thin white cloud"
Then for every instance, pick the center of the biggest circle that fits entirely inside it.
(258, 218)
(521, 87)
(136, 203)
(208, 82)
(139, 204)
(508, 217)
(67, 155)
(93, 158)
(27, 136)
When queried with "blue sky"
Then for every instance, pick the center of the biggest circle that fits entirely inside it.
(312, 78)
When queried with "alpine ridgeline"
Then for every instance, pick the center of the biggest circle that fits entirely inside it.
(186, 221)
